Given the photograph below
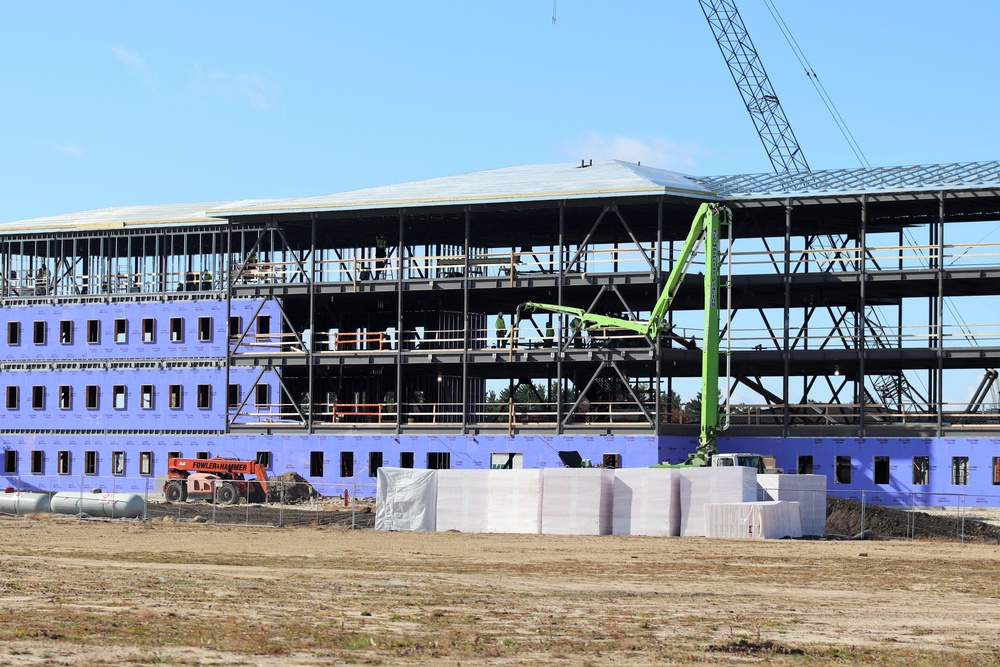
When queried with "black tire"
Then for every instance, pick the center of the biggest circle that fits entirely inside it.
(227, 495)
(174, 493)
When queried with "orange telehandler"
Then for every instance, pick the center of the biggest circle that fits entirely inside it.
(221, 479)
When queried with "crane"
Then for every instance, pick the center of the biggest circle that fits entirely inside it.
(755, 88)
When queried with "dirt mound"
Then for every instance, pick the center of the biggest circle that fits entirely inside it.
(843, 517)
(290, 488)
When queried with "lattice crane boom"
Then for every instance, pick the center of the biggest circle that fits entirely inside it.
(755, 88)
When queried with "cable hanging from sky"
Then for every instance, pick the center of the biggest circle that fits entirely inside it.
(814, 79)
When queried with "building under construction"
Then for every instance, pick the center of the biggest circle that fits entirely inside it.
(335, 334)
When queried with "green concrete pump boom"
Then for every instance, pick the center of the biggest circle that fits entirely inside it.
(706, 226)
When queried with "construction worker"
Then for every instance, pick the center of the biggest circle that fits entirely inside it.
(380, 252)
(576, 330)
(206, 281)
(501, 328)
(41, 281)
(550, 335)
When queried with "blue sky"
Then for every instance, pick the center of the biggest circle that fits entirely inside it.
(111, 104)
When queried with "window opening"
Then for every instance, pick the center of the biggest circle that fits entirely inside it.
(263, 459)
(90, 462)
(880, 469)
(12, 397)
(204, 329)
(117, 463)
(10, 461)
(347, 464)
(65, 397)
(176, 393)
(235, 327)
(39, 332)
(93, 396)
(201, 455)
(93, 332)
(37, 462)
(146, 393)
(38, 397)
(515, 460)
(438, 460)
(13, 333)
(118, 395)
(204, 396)
(62, 462)
(66, 332)
(921, 470)
(121, 331)
(148, 330)
(315, 464)
(842, 471)
(406, 459)
(145, 463)
(960, 470)
(176, 329)
(233, 399)
(374, 463)
(804, 465)
(262, 396)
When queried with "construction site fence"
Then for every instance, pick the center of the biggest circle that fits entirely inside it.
(909, 515)
(284, 504)
(864, 513)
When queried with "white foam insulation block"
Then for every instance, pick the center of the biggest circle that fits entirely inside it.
(405, 499)
(577, 501)
(769, 519)
(514, 501)
(809, 491)
(646, 502)
(729, 484)
(462, 500)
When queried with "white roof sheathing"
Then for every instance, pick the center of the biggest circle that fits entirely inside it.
(120, 217)
(510, 184)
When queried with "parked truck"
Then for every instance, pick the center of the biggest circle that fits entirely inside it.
(223, 480)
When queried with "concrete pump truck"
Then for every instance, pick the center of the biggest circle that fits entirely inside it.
(707, 226)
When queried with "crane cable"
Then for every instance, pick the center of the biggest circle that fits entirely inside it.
(814, 79)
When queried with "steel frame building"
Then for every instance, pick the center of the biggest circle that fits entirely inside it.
(335, 334)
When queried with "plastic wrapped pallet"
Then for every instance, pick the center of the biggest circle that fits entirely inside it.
(577, 501)
(646, 502)
(462, 500)
(770, 519)
(514, 501)
(406, 499)
(730, 484)
(808, 490)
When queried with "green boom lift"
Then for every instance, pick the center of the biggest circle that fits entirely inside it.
(707, 225)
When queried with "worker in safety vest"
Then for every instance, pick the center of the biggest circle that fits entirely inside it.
(501, 328)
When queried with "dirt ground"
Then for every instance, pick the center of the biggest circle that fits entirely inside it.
(84, 592)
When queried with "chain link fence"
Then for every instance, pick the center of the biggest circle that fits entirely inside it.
(224, 502)
(849, 514)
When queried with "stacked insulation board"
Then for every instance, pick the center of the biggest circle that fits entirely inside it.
(717, 502)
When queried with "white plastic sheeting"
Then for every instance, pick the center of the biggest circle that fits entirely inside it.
(731, 484)
(406, 499)
(577, 501)
(647, 502)
(809, 491)
(634, 501)
(771, 519)
(460, 500)
(513, 501)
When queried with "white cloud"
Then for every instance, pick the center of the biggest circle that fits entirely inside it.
(651, 151)
(252, 89)
(130, 58)
(75, 151)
